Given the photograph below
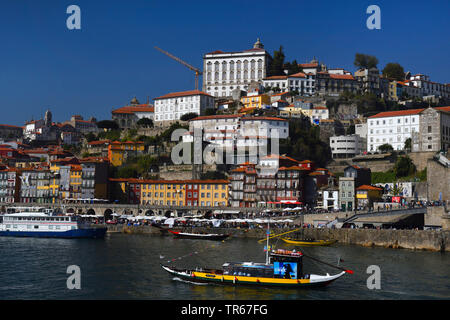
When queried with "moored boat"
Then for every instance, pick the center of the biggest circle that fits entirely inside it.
(309, 242)
(45, 225)
(285, 269)
(199, 236)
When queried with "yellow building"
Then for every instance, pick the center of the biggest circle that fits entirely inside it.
(213, 193)
(163, 192)
(119, 151)
(75, 181)
(257, 101)
(184, 192)
(290, 111)
(366, 195)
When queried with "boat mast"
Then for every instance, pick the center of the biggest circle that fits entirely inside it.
(267, 244)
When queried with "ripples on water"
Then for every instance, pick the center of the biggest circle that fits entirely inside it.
(128, 267)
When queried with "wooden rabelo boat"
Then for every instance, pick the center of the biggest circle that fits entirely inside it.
(283, 268)
(199, 236)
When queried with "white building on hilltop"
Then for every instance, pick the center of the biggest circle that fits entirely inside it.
(301, 82)
(392, 127)
(224, 72)
(429, 88)
(170, 107)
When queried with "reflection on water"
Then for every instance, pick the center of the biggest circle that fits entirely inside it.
(129, 267)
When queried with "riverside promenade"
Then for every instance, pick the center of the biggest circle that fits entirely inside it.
(434, 240)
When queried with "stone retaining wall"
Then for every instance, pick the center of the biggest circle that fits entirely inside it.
(406, 239)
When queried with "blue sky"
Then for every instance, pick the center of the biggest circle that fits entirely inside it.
(111, 59)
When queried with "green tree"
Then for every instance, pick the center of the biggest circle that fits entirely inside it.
(385, 148)
(144, 163)
(304, 142)
(365, 61)
(277, 64)
(90, 137)
(210, 112)
(188, 116)
(145, 122)
(293, 67)
(166, 136)
(350, 129)
(108, 124)
(126, 172)
(113, 135)
(404, 167)
(408, 144)
(394, 71)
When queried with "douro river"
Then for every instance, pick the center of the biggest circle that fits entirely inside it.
(128, 267)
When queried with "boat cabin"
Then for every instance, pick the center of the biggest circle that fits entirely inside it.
(287, 264)
(283, 264)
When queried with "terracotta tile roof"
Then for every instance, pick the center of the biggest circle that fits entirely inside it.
(216, 52)
(147, 181)
(367, 187)
(309, 65)
(276, 77)
(275, 156)
(280, 94)
(97, 142)
(397, 113)
(10, 126)
(262, 118)
(298, 75)
(342, 76)
(446, 109)
(223, 116)
(133, 109)
(183, 94)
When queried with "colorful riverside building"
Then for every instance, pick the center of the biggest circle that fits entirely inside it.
(9, 184)
(260, 185)
(75, 182)
(119, 151)
(61, 169)
(38, 185)
(94, 178)
(367, 194)
(195, 193)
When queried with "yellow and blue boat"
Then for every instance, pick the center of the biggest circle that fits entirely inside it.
(284, 269)
(307, 242)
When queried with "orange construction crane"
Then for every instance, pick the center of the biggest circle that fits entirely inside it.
(197, 71)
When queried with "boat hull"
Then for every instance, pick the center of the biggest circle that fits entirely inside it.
(309, 243)
(204, 277)
(215, 237)
(77, 233)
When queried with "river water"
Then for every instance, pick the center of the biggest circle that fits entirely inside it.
(123, 266)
